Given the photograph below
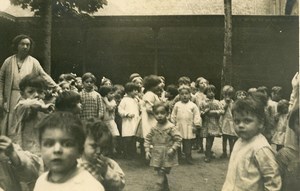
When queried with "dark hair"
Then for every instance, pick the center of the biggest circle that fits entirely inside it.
(67, 100)
(150, 82)
(65, 121)
(119, 89)
(184, 80)
(210, 88)
(130, 86)
(17, 40)
(254, 104)
(99, 130)
(87, 76)
(173, 90)
(31, 80)
(104, 90)
(282, 105)
(160, 104)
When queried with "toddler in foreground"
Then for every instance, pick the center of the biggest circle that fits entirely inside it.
(62, 138)
(252, 164)
(165, 139)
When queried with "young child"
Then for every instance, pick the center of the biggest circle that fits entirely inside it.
(98, 144)
(92, 106)
(281, 122)
(62, 139)
(252, 164)
(165, 140)
(211, 111)
(65, 86)
(200, 97)
(276, 93)
(171, 93)
(68, 101)
(28, 111)
(186, 117)
(130, 112)
(109, 108)
(227, 124)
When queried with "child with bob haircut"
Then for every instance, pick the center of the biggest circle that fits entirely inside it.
(98, 144)
(91, 100)
(252, 164)
(186, 117)
(62, 139)
(68, 101)
(165, 139)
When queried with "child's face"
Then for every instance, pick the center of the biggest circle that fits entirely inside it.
(133, 93)
(59, 150)
(30, 93)
(185, 95)
(210, 94)
(88, 84)
(110, 96)
(241, 95)
(92, 149)
(65, 87)
(161, 114)
(227, 97)
(202, 84)
(247, 125)
(275, 96)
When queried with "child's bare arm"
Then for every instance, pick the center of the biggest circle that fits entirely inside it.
(269, 169)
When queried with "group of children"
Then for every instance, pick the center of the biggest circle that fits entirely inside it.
(83, 125)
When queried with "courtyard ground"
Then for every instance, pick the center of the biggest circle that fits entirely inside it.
(198, 177)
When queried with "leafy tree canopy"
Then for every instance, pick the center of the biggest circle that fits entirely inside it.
(62, 7)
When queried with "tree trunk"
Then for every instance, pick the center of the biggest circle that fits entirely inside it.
(226, 74)
(46, 16)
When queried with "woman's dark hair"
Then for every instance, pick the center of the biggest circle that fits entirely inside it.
(150, 82)
(97, 129)
(87, 76)
(104, 90)
(67, 100)
(17, 40)
(130, 86)
(254, 104)
(31, 80)
(65, 121)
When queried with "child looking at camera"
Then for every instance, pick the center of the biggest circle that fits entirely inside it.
(165, 139)
(252, 164)
(62, 140)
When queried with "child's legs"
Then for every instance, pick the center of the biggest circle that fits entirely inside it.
(209, 144)
(224, 143)
(201, 143)
(127, 141)
(187, 147)
(161, 183)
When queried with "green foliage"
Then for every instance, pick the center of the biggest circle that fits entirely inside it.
(62, 7)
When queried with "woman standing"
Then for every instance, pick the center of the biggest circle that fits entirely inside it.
(12, 71)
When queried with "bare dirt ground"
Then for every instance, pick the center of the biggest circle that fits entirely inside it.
(198, 177)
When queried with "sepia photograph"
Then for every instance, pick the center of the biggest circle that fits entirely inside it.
(149, 95)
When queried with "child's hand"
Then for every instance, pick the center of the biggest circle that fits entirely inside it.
(130, 115)
(148, 155)
(6, 145)
(101, 164)
(171, 152)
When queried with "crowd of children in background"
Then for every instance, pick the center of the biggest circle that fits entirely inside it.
(144, 118)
